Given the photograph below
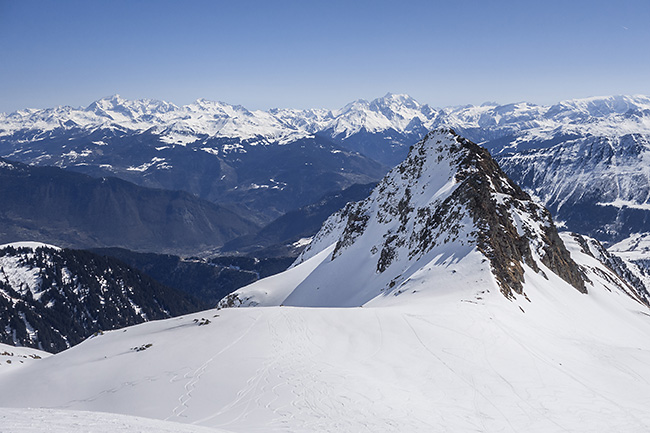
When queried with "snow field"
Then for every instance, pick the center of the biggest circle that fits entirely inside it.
(59, 421)
(12, 358)
(461, 361)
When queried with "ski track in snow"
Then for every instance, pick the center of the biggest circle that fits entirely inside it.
(468, 380)
(291, 382)
(195, 377)
(535, 355)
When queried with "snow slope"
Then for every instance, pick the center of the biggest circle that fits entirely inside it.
(12, 357)
(60, 421)
(466, 360)
(29, 244)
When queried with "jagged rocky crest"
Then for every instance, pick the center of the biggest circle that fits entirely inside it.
(628, 281)
(450, 190)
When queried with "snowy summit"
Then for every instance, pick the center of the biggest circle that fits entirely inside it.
(446, 212)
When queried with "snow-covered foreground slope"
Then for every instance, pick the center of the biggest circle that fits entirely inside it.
(12, 358)
(60, 421)
(466, 360)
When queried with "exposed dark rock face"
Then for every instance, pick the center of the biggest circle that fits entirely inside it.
(497, 236)
(356, 224)
(53, 299)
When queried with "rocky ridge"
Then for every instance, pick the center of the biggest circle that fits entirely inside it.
(631, 278)
(448, 202)
(478, 204)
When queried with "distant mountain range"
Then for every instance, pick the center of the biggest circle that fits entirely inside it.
(584, 159)
(249, 161)
(266, 163)
(392, 121)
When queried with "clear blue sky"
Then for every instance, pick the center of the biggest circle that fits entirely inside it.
(302, 53)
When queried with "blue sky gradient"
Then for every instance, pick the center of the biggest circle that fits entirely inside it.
(303, 54)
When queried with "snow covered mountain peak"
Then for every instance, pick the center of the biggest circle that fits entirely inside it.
(400, 113)
(447, 205)
(398, 118)
(174, 124)
(598, 106)
(395, 103)
(136, 108)
(217, 107)
(107, 102)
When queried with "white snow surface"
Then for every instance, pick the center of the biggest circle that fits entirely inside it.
(273, 290)
(462, 359)
(63, 421)
(12, 358)
(635, 247)
(20, 275)
(29, 244)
